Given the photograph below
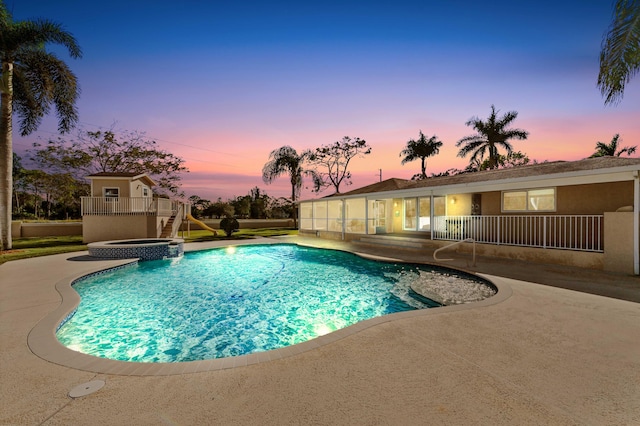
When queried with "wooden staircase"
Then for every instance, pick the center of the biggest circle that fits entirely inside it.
(168, 228)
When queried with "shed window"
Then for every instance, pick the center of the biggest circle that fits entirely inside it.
(529, 200)
(110, 193)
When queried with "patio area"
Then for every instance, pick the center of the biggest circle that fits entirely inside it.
(545, 355)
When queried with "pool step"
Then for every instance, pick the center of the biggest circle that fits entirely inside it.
(406, 243)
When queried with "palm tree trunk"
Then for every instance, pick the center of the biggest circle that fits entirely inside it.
(17, 201)
(424, 168)
(6, 155)
(493, 157)
(294, 210)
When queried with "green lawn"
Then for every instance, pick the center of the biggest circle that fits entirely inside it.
(24, 248)
(242, 234)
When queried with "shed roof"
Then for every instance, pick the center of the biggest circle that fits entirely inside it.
(123, 175)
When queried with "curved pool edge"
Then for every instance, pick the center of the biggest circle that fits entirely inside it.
(42, 340)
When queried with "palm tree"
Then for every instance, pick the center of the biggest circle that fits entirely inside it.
(492, 134)
(421, 149)
(611, 149)
(285, 160)
(32, 79)
(620, 55)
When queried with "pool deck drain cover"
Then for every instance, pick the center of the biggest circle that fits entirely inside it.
(86, 388)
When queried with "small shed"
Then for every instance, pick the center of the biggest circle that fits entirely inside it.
(122, 206)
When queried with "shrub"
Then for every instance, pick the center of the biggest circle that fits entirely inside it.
(229, 225)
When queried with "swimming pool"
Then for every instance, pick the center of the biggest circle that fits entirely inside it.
(235, 301)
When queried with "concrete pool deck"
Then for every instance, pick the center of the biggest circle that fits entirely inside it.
(545, 355)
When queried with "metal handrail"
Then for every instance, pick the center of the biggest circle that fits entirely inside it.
(466, 240)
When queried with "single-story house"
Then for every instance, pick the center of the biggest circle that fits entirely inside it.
(582, 213)
(122, 206)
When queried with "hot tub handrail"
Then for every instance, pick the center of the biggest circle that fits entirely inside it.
(466, 240)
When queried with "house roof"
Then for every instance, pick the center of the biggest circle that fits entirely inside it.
(122, 175)
(587, 166)
(386, 185)
(532, 170)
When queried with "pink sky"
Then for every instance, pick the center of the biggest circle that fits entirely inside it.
(223, 86)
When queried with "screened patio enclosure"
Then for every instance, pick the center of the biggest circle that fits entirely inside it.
(372, 216)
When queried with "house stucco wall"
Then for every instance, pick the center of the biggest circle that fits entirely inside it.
(595, 198)
(618, 242)
(491, 203)
(98, 184)
(104, 228)
(459, 205)
(572, 199)
(137, 188)
(581, 259)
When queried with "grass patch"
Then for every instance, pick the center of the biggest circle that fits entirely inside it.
(24, 248)
(242, 234)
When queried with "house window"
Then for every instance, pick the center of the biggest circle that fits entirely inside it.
(529, 200)
(111, 193)
(145, 192)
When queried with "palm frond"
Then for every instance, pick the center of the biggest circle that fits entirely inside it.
(620, 54)
(33, 35)
(40, 80)
(286, 160)
(420, 149)
(490, 134)
(611, 149)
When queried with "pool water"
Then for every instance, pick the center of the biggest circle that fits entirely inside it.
(233, 301)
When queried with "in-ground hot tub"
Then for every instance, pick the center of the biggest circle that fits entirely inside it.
(143, 249)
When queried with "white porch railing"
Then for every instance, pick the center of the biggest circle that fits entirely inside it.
(129, 206)
(569, 232)
(180, 214)
(165, 207)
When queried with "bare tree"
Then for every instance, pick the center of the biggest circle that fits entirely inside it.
(331, 162)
